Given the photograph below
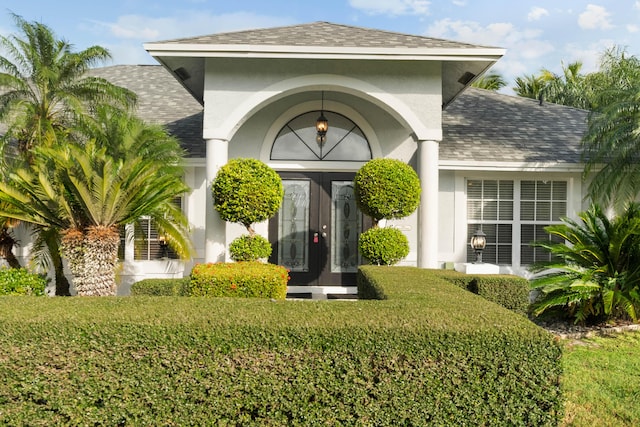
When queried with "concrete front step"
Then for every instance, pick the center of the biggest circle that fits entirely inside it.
(322, 292)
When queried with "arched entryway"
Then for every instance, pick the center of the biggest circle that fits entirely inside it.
(315, 233)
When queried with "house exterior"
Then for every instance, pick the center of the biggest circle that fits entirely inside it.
(505, 164)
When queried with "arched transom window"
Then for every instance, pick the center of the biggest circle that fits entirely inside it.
(297, 140)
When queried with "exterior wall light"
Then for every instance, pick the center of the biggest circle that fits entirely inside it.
(478, 243)
(322, 125)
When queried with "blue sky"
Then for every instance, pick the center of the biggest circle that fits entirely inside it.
(537, 34)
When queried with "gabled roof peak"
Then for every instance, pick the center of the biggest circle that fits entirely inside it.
(322, 34)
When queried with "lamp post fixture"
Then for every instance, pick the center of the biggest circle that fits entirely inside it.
(478, 243)
(322, 125)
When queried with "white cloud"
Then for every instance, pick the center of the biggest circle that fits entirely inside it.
(595, 17)
(637, 5)
(633, 28)
(536, 13)
(460, 3)
(185, 24)
(392, 7)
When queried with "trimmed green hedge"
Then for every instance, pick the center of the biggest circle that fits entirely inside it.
(161, 287)
(239, 279)
(511, 292)
(431, 354)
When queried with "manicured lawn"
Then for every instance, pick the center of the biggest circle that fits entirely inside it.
(601, 381)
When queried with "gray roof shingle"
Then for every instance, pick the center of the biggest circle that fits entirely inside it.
(323, 34)
(478, 126)
(482, 125)
(161, 100)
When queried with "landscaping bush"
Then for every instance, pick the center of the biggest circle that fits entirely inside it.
(247, 191)
(432, 354)
(386, 189)
(239, 279)
(18, 281)
(594, 274)
(250, 248)
(383, 246)
(161, 287)
(511, 292)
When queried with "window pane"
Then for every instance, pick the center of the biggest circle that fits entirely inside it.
(543, 211)
(490, 190)
(528, 190)
(559, 210)
(297, 140)
(506, 190)
(527, 211)
(559, 190)
(504, 234)
(504, 255)
(506, 211)
(543, 190)
(474, 210)
(527, 233)
(474, 189)
(490, 211)
(293, 226)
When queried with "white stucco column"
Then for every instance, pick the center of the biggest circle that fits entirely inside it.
(428, 211)
(215, 245)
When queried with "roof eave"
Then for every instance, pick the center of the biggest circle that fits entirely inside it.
(321, 52)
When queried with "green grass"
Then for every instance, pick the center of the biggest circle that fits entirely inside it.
(601, 381)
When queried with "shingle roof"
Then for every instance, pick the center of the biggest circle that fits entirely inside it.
(161, 100)
(322, 34)
(481, 125)
(478, 126)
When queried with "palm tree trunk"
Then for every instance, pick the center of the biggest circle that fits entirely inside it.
(52, 240)
(100, 259)
(7, 242)
(72, 249)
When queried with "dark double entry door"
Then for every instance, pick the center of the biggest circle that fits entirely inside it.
(315, 233)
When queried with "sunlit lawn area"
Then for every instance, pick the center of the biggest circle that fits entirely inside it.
(602, 381)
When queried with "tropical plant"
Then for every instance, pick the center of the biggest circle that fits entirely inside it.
(611, 145)
(596, 271)
(491, 81)
(88, 194)
(45, 92)
(247, 191)
(45, 85)
(530, 86)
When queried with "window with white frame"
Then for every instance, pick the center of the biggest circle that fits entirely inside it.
(542, 203)
(148, 244)
(490, 209)
(513, 215)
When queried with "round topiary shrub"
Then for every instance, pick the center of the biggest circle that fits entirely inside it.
(247, 191)
(18, 281)
(383, 246)
(250, 248)
(386, 189)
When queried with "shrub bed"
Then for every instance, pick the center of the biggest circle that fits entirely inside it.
(239, 279)
(161, 287)
(18, 281)
(429, 354)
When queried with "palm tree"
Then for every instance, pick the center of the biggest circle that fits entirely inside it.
(611, 145)
(45, 92)
(491, 81)
(529, 86)
(596, 271)
(88, 194)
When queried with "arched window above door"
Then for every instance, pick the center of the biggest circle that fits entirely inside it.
(297, 140)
